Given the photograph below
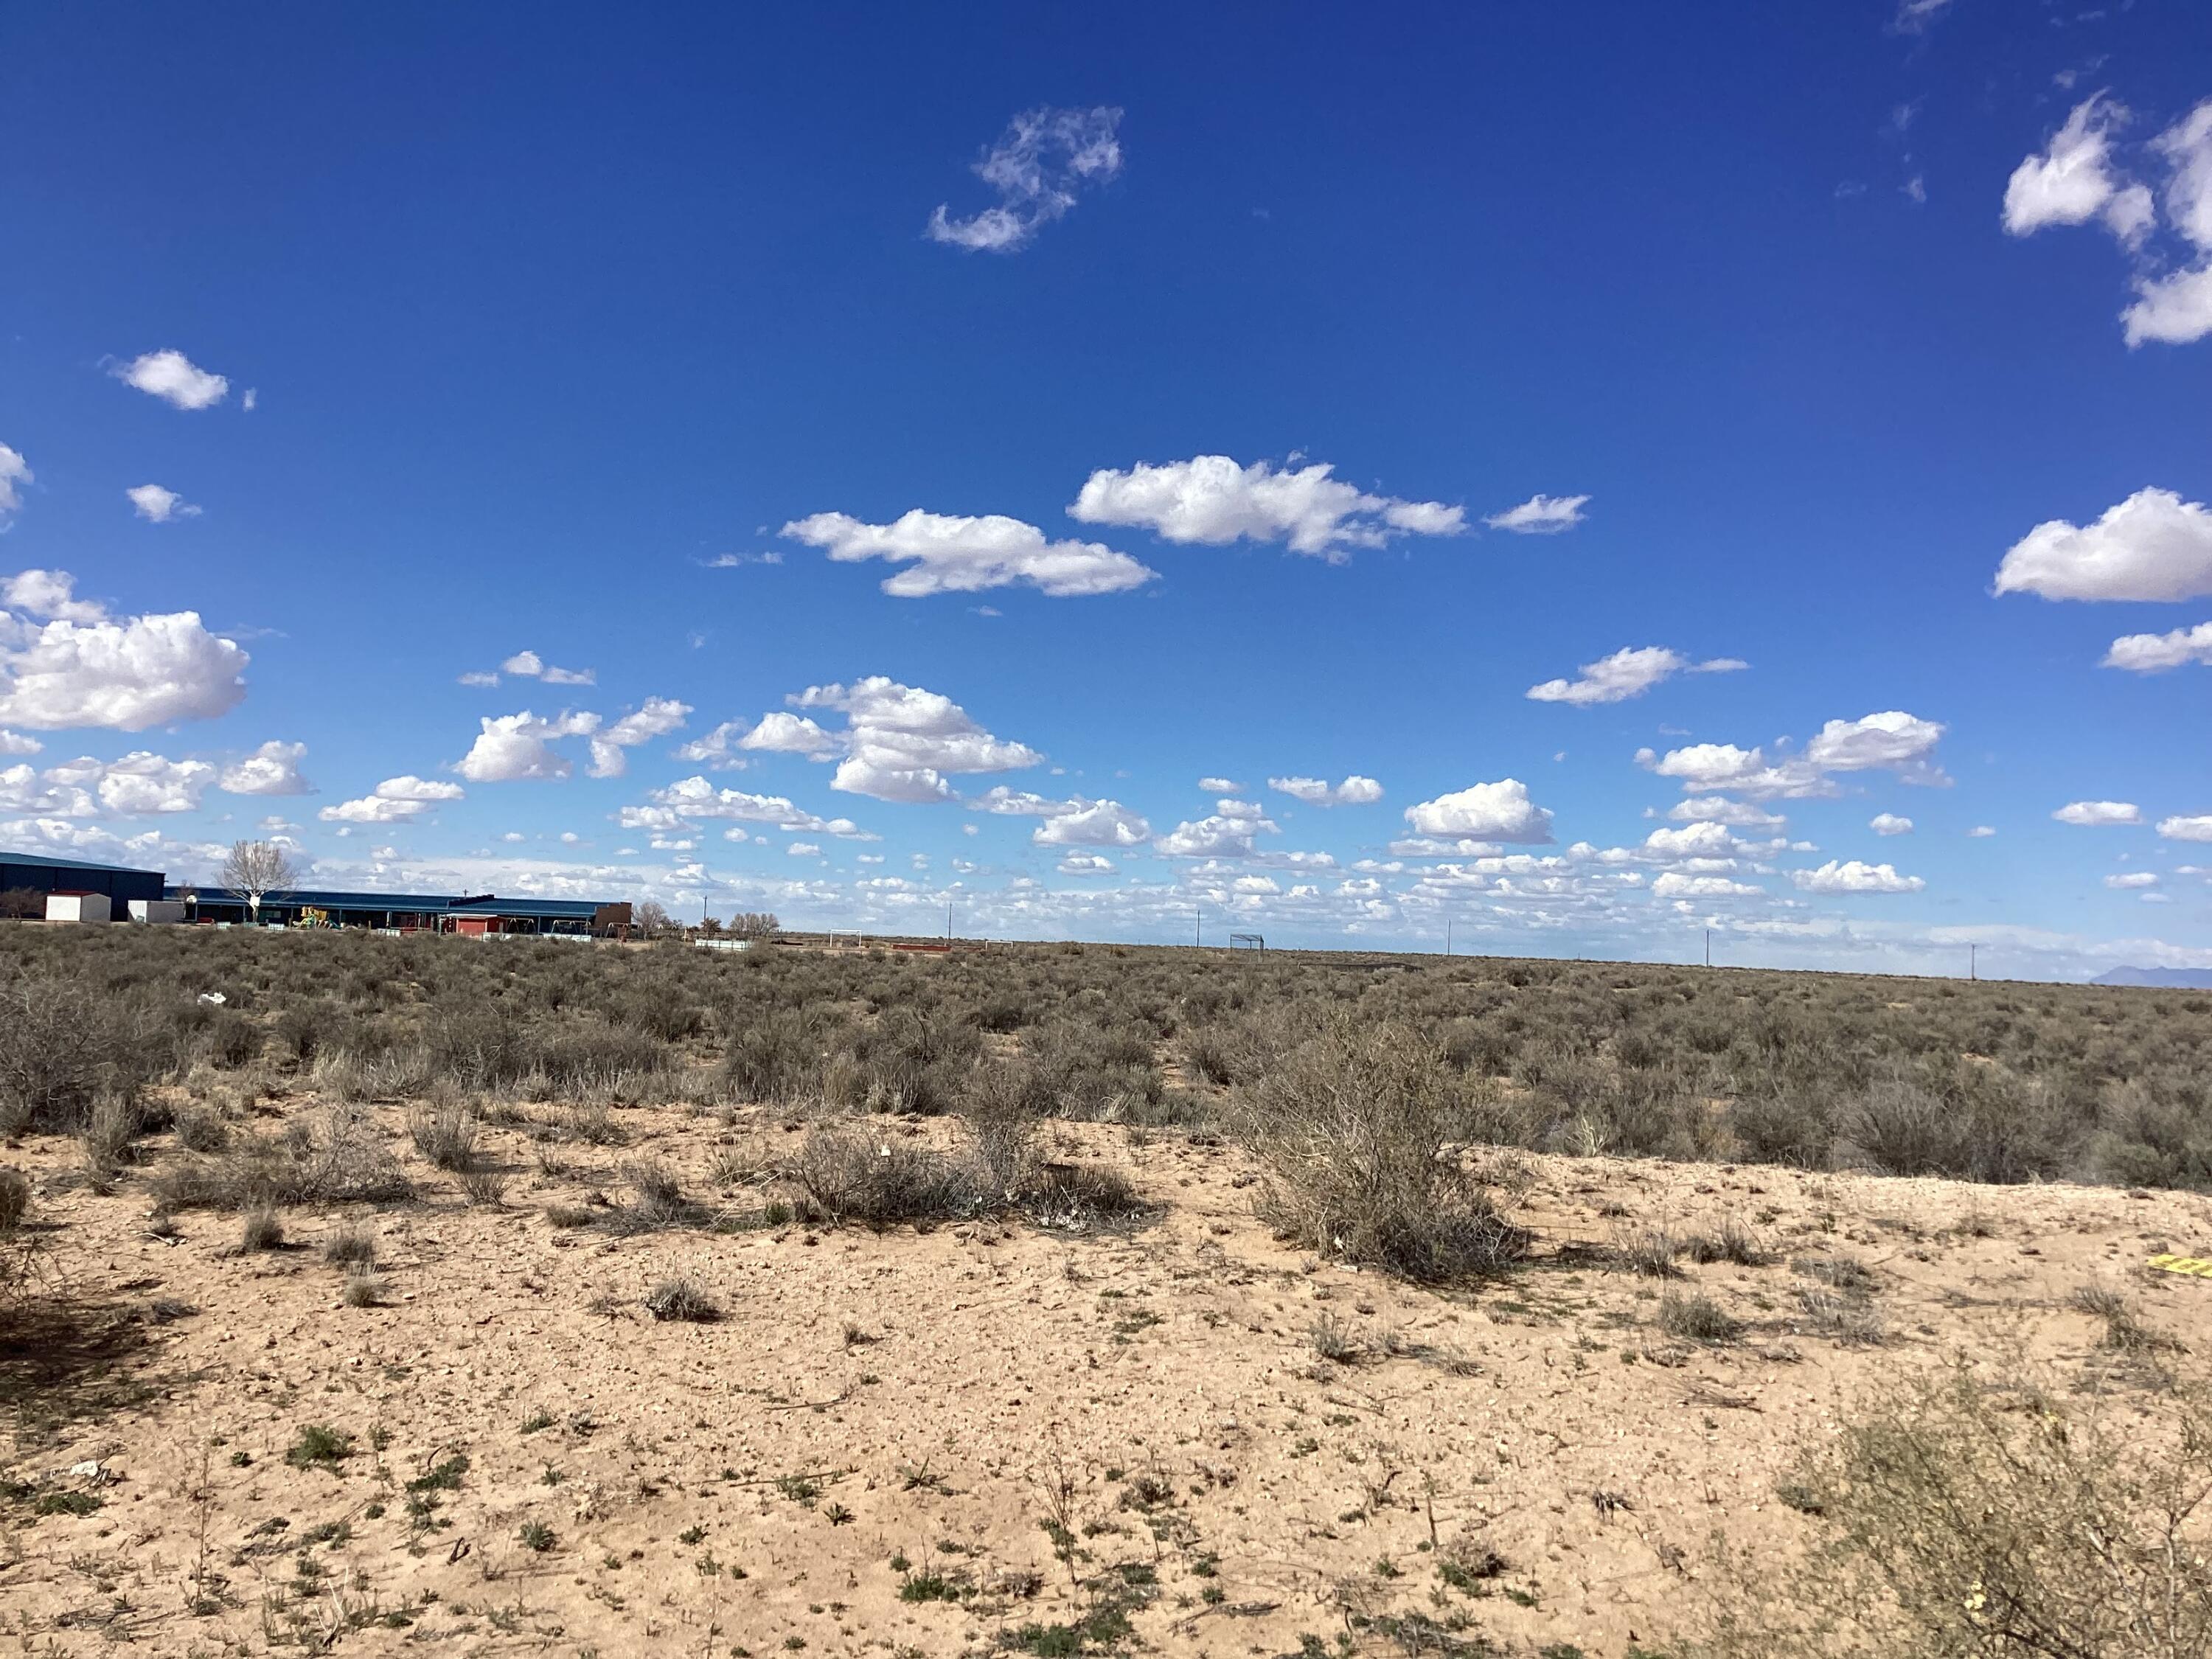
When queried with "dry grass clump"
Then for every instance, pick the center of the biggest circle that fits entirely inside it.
(1732, 1241)
(679, 1299)
(1651, 1252)
(1353, 1126)
(2124, 1330)
(264, 1229)
(335, 1157)
(847, 1174)
(446, 1134)
(351, 1246)
(1696, 1318)
(1950, 1519)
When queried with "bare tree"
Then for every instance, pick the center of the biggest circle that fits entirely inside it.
(754, 924)
(651, 920)
(256, 869)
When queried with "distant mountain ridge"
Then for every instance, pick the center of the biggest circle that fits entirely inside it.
(2164, 979)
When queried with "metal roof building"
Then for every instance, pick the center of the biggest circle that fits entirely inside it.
(477, 913)
(39, 874)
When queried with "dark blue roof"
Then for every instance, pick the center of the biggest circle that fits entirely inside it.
(475, 904)
(46, 861)
(584, 909)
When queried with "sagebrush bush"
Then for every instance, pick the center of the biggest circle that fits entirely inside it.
(848, 1175)
(1353, 1126)
(1956, 1520)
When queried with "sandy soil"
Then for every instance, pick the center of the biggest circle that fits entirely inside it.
(902, 1410)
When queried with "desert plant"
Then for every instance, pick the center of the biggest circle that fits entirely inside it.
(447, 1135)
(1352, 1126)
(351, 1246)
(848, 1175)
(1958, 1521)
(264, 1229)
(681, 1300)
(1696, 1318)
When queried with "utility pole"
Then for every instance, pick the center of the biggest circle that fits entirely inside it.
(1972, 950)
(1198, 936)
(948, 921)
(1448, 921)
(1709, 947)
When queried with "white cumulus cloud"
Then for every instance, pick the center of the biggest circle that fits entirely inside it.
(1892, 741)
(509, 747)
(1354, 791)
(2191, 829)
(151, 501)
(1045, 158)
(2154, 653)
(64, 662)
(2093, 814)
(1888, 823)
(174, 379)
(272, 769)
(2153, 546)
(1853, 877)
(654, 717)
(901, 742)
(947, 554)
(2074, 181)
(2132, 878)
(1675, 885)
(1499, 812)
(396, 800)
(1212, 500)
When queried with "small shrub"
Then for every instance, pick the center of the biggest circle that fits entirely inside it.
(364, 1290)
(319, 1446)
(847, 1175)
(1334, 1340)
(2124, 1330)
(681, 1300)
(1351, 1125)
(1949, 1520)
(447, 1135)
(351, 1246)
(1651, 1252)
(200, 1130)
(487, 1187)
(535, 1536)
(1696, 1318)
(1732, 1241)
(262, 1229)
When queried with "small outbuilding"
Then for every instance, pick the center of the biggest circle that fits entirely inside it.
(78, 907)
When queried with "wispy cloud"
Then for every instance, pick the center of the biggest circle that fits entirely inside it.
(1044, 159)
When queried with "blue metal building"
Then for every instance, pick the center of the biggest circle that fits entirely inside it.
(39, 873)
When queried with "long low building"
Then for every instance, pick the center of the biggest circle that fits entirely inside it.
(442, 913)
(39, 875)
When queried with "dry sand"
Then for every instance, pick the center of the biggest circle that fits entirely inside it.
(747, 1485)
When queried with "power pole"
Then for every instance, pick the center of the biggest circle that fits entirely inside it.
(1709, 947)
(1972, 950)
(1448, 921)
(1198, 936)
(948, 921)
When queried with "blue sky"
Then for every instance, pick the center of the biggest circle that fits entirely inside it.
(1867, 348)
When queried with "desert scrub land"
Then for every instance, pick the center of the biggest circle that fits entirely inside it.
(485, 1297)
